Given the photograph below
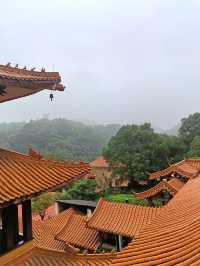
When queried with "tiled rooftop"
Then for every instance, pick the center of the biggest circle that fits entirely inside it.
(68, 228)
(28, 255)
(23, 176)
(99, 162)
(121, 218)
(188, 168)
(172, 186)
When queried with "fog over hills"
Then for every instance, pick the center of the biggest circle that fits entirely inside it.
(122, 61)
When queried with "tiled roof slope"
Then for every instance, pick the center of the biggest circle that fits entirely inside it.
(68, 228)
(121, 218)
(22, 82)
(173, 237)
(23, 176)
(172, 186)
(30, 256)
(76, 233)
(188, 168)
(99, 162)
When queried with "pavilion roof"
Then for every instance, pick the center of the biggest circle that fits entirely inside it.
(121, 218)
(99, 162)
(188, 168)
(19, 83)
(172, 186)
(68, 228)
(25, 176)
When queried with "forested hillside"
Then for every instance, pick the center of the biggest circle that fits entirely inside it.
(58, 138)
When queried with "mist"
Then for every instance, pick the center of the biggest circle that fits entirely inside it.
(122, 61)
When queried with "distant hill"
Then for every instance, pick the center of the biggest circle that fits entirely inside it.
(174, 130)
(58, 138)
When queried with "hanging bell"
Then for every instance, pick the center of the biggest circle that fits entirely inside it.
(51, 96)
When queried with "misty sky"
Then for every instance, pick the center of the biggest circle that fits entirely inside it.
(121, 61)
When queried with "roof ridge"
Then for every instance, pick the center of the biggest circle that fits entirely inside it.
(22, 156)
(16, 70)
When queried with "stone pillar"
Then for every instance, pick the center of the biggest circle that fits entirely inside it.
(10, 227)
(27, 220)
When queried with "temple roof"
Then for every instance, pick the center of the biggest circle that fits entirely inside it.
(25, 176)
(188, 168)
(121, 218)
(28, 255)
(16, 83)
(99, 162)
(173, 237)
(68, 228)
(77, 233)
(172, 186)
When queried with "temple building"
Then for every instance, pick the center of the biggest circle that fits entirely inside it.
(166, 236)
(101, 172)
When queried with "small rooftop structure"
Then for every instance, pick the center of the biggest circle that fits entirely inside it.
(99, 162)
(188, 168)
(172, 186)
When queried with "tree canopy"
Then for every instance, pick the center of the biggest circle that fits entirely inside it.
(136, 150)
(84, 189)
(190, 127)
(58, 138)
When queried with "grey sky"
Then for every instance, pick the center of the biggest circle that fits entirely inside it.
(121, 61)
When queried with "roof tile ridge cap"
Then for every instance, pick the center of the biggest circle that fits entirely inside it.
(73, 212)
(99, 203)
(38, 73)
(172, 166)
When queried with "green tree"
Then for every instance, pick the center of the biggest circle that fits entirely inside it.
(137, 150)
(190, 128)
(83, 189)
(194, 150)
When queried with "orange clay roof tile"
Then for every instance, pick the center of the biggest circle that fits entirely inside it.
(172, 237)
(172, 186)
(28, 255)
(76, 233)
(188, 168)
(121, 218)
(67, 228)
(99, 162)
(22, 176)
